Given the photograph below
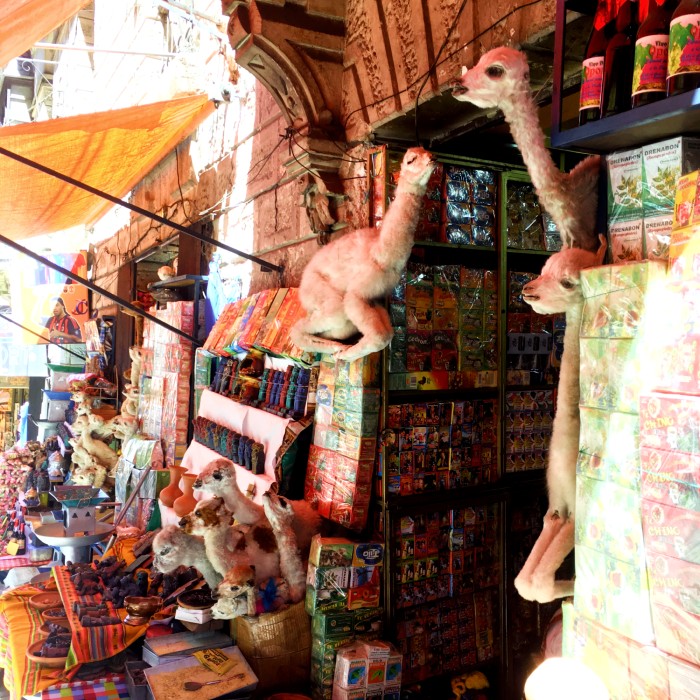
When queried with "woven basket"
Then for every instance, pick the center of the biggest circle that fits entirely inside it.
(277, 646)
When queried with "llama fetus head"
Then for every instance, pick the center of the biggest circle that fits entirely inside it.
(558, 288)
(499, 75)
(207, 515)
(169, 546)
(416, 168)
(278, 510)
(217, 478)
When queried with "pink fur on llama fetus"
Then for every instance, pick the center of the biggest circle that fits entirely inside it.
(557, 290)
(343, 284)
(501, 79)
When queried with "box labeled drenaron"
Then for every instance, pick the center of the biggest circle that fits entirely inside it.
(663, 163)
(624, 185)
(626, 240)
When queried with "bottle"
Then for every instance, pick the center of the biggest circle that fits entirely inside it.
(651, 53)
(684, 48)
(21, 540)
(592, 67)
(619, 60)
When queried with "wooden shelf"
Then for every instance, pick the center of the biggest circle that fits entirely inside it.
(180, 281)
(666, 118)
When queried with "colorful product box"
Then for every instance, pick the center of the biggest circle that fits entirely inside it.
(663, 164)
(678, 365)
(674, 606)
(657, 236)
(626, 240)
(684, 253)
(328, 577)
(670, 422)
(683, 680)
(672, 478)
(348, 693)
(325, 600)
(685, 203)
(333, 625)
(356, 399)
(361, 425)
(339, 551)
(671, 531)
(351, 668)
(624, 185)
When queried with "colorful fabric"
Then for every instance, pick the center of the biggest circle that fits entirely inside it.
(19, 627)
(112, 687)
(89, 643)
(7, 563)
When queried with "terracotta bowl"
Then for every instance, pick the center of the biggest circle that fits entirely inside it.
(46, 600)
(48, 662)
(62, 621)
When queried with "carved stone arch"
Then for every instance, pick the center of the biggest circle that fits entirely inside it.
(295, 49)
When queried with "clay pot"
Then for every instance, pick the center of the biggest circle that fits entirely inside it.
(186, 503)
(172, 491)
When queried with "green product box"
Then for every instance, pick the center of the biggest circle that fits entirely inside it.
(332, 625)
(364, 372)
(340, 551)
(368, 621)
(361, 425)
(328, 577)
(325, 600)
(324, 650)
(357, 399)
(624, 185)
(662, 164)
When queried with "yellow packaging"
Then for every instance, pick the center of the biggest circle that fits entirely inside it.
(685, 208)
(684, 253)
(215, 660)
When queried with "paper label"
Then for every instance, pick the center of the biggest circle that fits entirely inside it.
(215, 660)
(684, 45)
(591, 82)
(650, 64)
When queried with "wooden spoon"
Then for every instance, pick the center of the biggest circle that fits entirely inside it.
(194, 685)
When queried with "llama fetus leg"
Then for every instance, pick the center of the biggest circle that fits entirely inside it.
(536, 579)
(374, 324)
(304, 334)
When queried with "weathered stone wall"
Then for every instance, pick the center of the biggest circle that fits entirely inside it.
(390, 45)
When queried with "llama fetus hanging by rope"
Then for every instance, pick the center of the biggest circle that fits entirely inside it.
(343, 284)
(501, 79)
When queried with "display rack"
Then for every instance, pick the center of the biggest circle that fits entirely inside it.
(511, 493)
(672, 116)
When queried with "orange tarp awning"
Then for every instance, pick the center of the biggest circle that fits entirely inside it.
(24, 22)
(110, 151)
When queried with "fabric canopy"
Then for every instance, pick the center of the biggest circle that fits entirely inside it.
(24, 22)
(110, 151)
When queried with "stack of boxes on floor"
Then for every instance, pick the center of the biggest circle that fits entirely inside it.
(342, 595)
(167, 362)
(447, 567)
(437, 446)
(341, 458)
(641, 191)
(634, 619)
(445, 322)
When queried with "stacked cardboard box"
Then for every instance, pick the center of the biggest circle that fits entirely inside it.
(529, 418)
(342, 596)
(341, 459)
(168, 363)
(447, 566)
(641, 190)
(445, 322)
(437, 446)
(367, 670)
(611, 577)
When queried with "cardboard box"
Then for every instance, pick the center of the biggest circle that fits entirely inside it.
(671, 531)
(663, 163)
(672, 478)
(351, 668)
(674, 606)
(670, 422)
(626, 240)
(625, 176)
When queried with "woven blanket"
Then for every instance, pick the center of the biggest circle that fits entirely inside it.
(7, 563)
(112, 687)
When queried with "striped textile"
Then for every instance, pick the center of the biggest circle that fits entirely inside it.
(89, 643)
(7, 563)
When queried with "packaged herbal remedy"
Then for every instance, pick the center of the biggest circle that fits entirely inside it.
(625, 185)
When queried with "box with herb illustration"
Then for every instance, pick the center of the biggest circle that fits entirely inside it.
(624, 185)
(662, 164)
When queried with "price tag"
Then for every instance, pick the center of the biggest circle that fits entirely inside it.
(215, 660)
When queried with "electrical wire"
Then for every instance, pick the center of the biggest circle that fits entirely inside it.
(435, 63)
(446, 58)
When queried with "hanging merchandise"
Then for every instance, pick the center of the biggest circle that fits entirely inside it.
(684, 48)
(592, 69)
(619, 60)
(651, 53)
